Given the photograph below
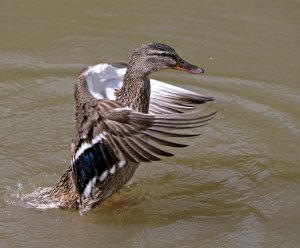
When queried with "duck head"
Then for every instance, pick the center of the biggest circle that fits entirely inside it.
(153, 57)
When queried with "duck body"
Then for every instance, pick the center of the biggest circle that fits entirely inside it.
(122, 119)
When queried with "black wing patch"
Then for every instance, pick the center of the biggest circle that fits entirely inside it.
(92, 163)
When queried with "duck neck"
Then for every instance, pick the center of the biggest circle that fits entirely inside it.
(135, 92)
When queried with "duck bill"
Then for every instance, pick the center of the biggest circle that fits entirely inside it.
(187, 67)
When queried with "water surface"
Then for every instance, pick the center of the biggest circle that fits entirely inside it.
(237, 185)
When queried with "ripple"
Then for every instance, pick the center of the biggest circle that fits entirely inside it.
(279, 91)
(258, 106)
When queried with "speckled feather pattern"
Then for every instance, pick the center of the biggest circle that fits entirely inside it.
(112, 137)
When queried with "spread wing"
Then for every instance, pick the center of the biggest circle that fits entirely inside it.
(165, 98)
(110, 135)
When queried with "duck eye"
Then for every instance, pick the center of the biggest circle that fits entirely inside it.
(181, 61)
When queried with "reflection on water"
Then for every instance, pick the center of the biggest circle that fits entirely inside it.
(237, 185)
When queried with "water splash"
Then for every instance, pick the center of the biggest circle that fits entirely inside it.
(27, 195)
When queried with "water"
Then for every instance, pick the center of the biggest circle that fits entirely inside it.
(236, 186)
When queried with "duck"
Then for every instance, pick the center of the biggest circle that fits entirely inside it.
(123, 119)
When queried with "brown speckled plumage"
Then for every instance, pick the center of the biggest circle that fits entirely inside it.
(113, 136)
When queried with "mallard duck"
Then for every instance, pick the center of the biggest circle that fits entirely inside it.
(122, 119)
